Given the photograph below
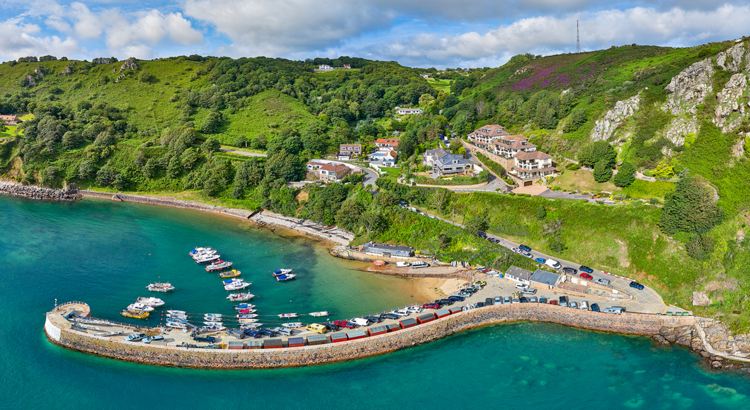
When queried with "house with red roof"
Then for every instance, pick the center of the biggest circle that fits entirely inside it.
(10, 119)
(387, 144)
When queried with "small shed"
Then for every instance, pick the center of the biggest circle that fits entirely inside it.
(407, 323)
(426, 317)
(442, 313)
(377, 330)
(517, 274)
(338, 337)
(236, 345)
(389, 250)
(545, 278)
(392, 327)
(254, 344)
(356, 334)
(455, 310)
(317, 340)
(273, 344)
(296, 341)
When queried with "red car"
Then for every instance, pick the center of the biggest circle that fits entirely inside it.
(552, 302)
(344, 323)
(431, 306)
(586, 276)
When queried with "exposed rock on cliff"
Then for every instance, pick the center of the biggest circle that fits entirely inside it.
(732, 59)
(605, 127)
(680, 128)
(30, 80)
(39, 72)
(701, 299)
(690, 88)
(129, 64)
(731, 102)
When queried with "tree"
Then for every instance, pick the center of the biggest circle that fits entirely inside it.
(285, 166)
(690, 208)
(86, 170)
(149, 169)
(71, 139)
(189, 157)
(602, 172)
(425, 100)
(450, 101)
(439, 199)
(373, 222)
(212, 123)
(541, 213)
(700, 247)
(105, 176)
(174, 167)
(210, 145)
(348, 216)
(624, 176)
(456, 146)
(240, 141)
(663, 170)
(105, 139)
(480, 222)
(598, 151)
(577, 119)
(386, 199)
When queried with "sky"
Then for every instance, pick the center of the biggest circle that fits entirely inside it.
(417, 33)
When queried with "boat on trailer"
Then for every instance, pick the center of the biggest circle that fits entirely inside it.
(280, 272)
(218, 265)
(160, 287)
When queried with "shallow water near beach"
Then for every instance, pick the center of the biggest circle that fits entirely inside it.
(105, 253)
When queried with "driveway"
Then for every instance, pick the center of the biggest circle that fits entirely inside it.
(246, 153)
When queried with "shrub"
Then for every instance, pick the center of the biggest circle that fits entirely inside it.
(690, 208)
(573, 167)
(602, 171)
(624, 176)
(700, 247)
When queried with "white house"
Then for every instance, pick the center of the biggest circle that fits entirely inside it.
(383, 158)
(409, 111)
(519, 275)
(482, 137)
(325, 67)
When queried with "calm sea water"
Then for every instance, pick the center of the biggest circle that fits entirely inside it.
(104, 253)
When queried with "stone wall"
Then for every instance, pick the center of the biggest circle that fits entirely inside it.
(646, 325)
(35, 192)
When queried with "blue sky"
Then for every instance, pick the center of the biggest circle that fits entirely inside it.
(435, 33)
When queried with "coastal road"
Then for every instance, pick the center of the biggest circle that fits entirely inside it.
(645, 301)
(370, 177)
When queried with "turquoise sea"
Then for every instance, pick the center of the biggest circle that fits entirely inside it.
(105, 253)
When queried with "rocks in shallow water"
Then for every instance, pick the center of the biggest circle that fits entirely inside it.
(35, 192)
(716, 365)
(659, 339)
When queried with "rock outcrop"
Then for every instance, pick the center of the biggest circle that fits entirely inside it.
(731, 102)
(689, 88)
(30, 80)
(738, 149)
(701, 299)
(129, 64)
(35, 192)
(66, 71)
(605, 127)
(680, 128)
(732, 59)
(39, 72)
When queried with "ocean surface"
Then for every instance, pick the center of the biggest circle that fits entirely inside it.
(105, 253)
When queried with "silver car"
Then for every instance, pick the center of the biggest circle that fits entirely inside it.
(533, 300)
(506, 300)
(574, 305)
(604, 282)
(584, 305)
(498, 300)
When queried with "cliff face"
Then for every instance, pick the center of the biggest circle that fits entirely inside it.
(690, 88)
(623, 110)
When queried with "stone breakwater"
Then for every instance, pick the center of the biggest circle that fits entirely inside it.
(58, 330)
(35, 192)
(262, 217)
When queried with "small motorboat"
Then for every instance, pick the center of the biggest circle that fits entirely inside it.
(177, 325)
(234, 280)
(240, 297)
(208, 316)
(202, 249)
(153, 302)
(285, 278)
(242, 306)
(156, 338)
(140, 307)
(213, 328)
(207, 258)
(218, 265)
(250, 325)
(293, 325)
(134, 315)
(160, 287)
(176, 320)
(246, 312)
(177, 312)
(213, 323)
(280, 272)
(379, 263)
(230, 274)
(288, 315)
(248, 319)
(319, 314)
(237, 286)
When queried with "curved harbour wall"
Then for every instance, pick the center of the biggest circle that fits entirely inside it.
(628, 323)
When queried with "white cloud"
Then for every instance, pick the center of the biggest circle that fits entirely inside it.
(18, 41)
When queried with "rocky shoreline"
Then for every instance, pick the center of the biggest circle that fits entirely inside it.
(38, 193)
(712, 341)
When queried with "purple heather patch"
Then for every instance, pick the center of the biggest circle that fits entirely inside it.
(527, 83)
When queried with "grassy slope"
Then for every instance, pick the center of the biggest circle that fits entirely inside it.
(440, 85)
(584, 180)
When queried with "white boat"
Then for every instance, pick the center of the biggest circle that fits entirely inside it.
(285, 278)
(293, 325)
(233, 280)
(208, 316)
(280, 272)
(160, 287)
(177, 325)
(240, 297)
(236, 286)
(213, 328)
(243, 306)
(245, 312)
(153, 302)
(288, 315)
(140, 307)
(207, 258)
(250, 325)
(202, 249)
(319, 314)
(213, 323)
(247, 320)
(177, 312)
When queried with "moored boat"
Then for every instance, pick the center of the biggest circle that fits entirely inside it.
(176, 312)
(248, 319)
(140, 307)
(323, 313)
(285, 278)
(293, 325)
(279, 272)
(250, 325)
(207, 258)
(160, 287)
(177, 325)
(153, 302)
(288, 315)
(246, 312)
(237, 286)
(240, 297)
(208, 316)
(218, 265)
(213, 323)
(230, 274)
(134, 314)
(213, 328)
(242, 306)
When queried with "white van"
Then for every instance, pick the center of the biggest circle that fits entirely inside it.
(419, 264)
(617, 310)
(553, 264)
(402, 264)
(360, 321)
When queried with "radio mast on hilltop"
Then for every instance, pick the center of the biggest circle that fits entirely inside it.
(578, 39)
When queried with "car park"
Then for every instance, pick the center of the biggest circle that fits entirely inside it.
(584, 268)
(563, 301)
(584, 305)
(586, 276)
(498, 300)
(553, 264)
(573, 305)
(524, 248)
(600, 281)
(636, 285)
(533, 299)
(615, 310)
(595, 307)
(540, 260)
(569, 271)
(506, 300)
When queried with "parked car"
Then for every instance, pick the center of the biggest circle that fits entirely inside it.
(332, 327)
(414, 309)
(506, 300)
(470, 289)
(552, 302)
(403, 264)
(569, 271)
(516, 250)
(392, 316)
(524, 248)
(206, 339)
(563, 301)
(479, 304)
(431, 305)
(595, 307)
(521, 286)
(600, 281)
(399, 313)
(524, 300)
(374, 319)
(344, 323)
(615, 310)
(489, 302)
(527, 254)
(584, 268)
(586, 276)
(445, 302)
(636, 285)
(456, 298)
(498, 300)
(543, 300)
(533, 299)
(481, 234)
(540, 260)
(573, 305)
(584, 305)
(465, 294)
(528, 291)
(480, 283)
(553, 264)
(359, 321)
(515, 300)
